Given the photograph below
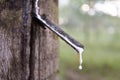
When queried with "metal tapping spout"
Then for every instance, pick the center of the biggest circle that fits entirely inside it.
(57, 30)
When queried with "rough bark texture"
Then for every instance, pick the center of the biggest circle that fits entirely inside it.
(27, 51)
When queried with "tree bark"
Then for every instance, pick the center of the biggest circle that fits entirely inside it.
(27, 51)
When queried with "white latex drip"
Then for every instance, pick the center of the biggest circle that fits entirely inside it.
(80, 58)
(37, 12)
(37, 7)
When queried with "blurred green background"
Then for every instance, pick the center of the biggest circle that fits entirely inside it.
(96, 24)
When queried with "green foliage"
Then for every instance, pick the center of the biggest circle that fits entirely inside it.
(99, 57)
(101, 37)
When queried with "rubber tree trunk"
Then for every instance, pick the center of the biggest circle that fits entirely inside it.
(27, 51)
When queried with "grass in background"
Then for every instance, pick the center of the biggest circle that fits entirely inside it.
(101, 59)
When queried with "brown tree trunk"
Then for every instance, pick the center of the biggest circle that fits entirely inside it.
(27, 51)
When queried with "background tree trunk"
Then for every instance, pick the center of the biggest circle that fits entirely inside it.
(27, 51)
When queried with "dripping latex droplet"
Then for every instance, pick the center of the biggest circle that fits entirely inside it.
(80, 59)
